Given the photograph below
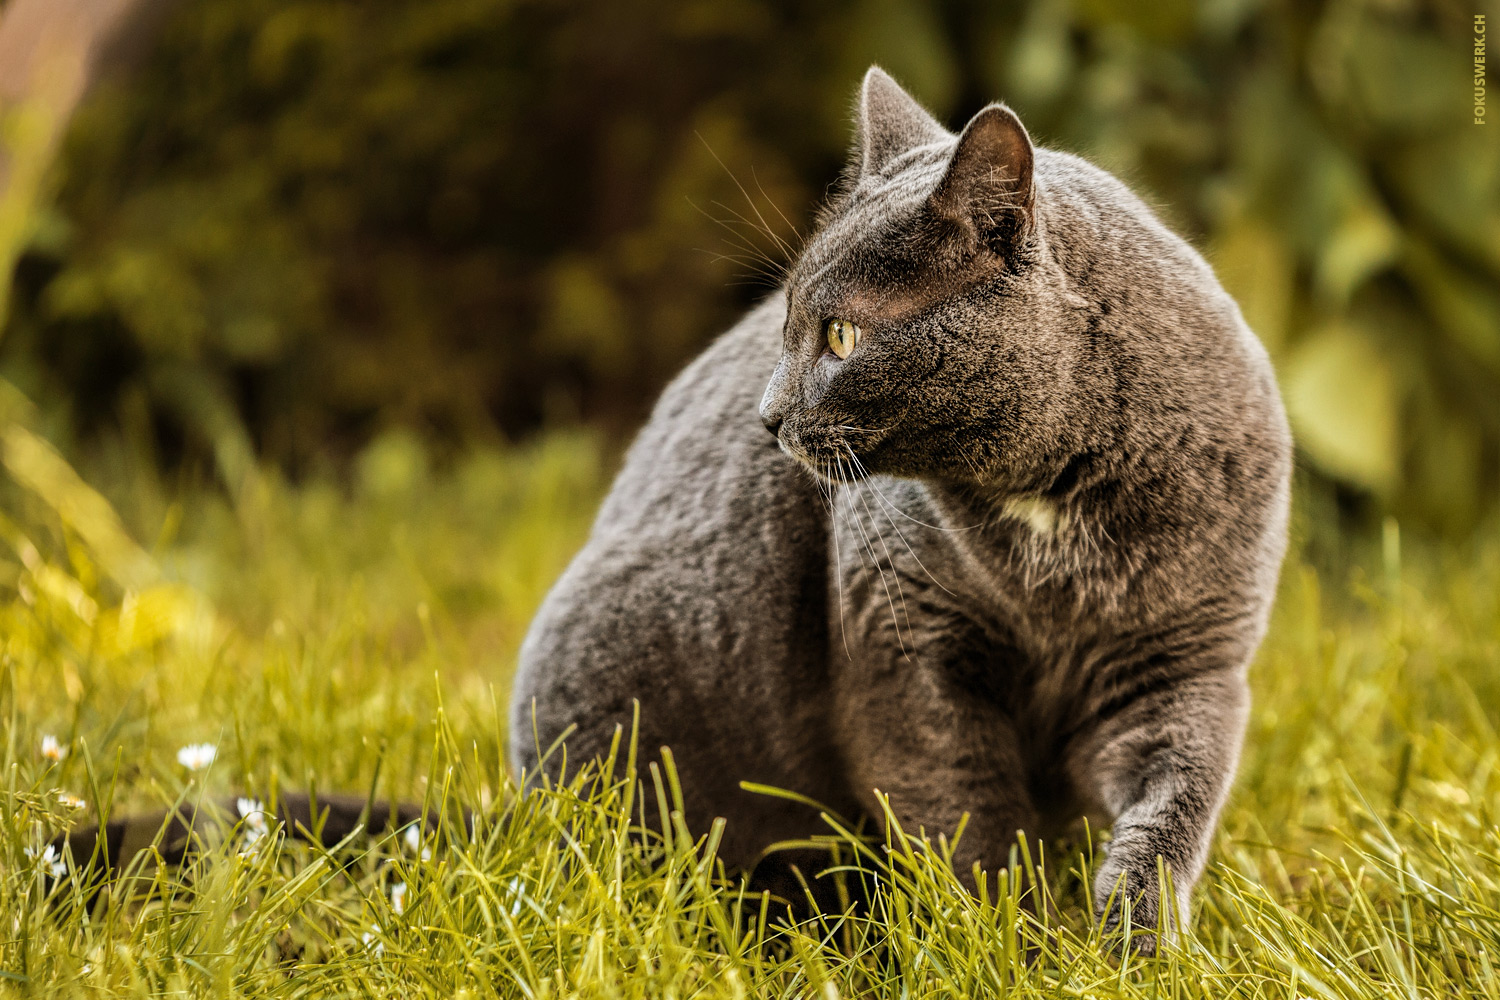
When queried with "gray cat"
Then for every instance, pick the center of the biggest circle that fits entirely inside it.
(1007, 551)
(1008, 554)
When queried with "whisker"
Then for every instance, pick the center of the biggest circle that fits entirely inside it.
(781, 244)
(875, 564)
(894, 527)
(740, 242)
(749, 200)
(969, 460)
(935, 527)
(765, 226)
(801, 239)
(895, 573)
(838, 559)
(755, 267)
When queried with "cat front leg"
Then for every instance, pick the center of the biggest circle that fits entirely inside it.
(1162, 767)
(938, 755)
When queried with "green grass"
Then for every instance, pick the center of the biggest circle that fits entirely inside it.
(358, 636)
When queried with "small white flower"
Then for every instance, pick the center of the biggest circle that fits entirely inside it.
(257, 822)
(371, 939)
(253, 812)
(48, 858)
(70, 800)
(398, 897)
(413, 839)
(518, 891)
(197, 756)
(53, 750)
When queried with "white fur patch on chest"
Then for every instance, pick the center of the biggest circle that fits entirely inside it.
(1039, 514)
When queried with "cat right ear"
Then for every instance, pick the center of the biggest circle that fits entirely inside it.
(988, 188)
(891, 122)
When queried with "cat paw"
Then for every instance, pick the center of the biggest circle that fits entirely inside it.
(1127, 901)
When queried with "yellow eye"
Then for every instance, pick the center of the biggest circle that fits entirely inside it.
(842, 336)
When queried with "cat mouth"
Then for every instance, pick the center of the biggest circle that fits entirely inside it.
(838, 454)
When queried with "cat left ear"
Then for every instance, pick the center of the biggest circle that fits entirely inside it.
(988, 186)
(891, 122)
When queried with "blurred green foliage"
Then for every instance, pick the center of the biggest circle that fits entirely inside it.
(301, 223)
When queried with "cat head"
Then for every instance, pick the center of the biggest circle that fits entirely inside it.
(921, 334)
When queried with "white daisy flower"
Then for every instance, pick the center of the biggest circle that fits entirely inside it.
(53, 750)
(253, 812)
(197, 756)
(371, 939)
(398, 897)
(519, 892)
(49, 859)
(257, 821)
(70, 800)
(413, 839)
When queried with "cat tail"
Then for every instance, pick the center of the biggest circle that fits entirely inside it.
(102, 852)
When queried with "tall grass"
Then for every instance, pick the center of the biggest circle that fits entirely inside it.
(360, 636)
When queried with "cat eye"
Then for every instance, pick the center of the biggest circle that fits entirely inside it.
(842, 336)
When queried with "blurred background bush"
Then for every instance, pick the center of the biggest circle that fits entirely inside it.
(297, 225)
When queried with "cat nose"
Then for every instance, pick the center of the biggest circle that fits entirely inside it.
(773, 402)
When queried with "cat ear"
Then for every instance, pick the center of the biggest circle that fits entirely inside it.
(988, 186)
(891, 122)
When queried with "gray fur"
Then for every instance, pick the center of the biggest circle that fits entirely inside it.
(1011, 558)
